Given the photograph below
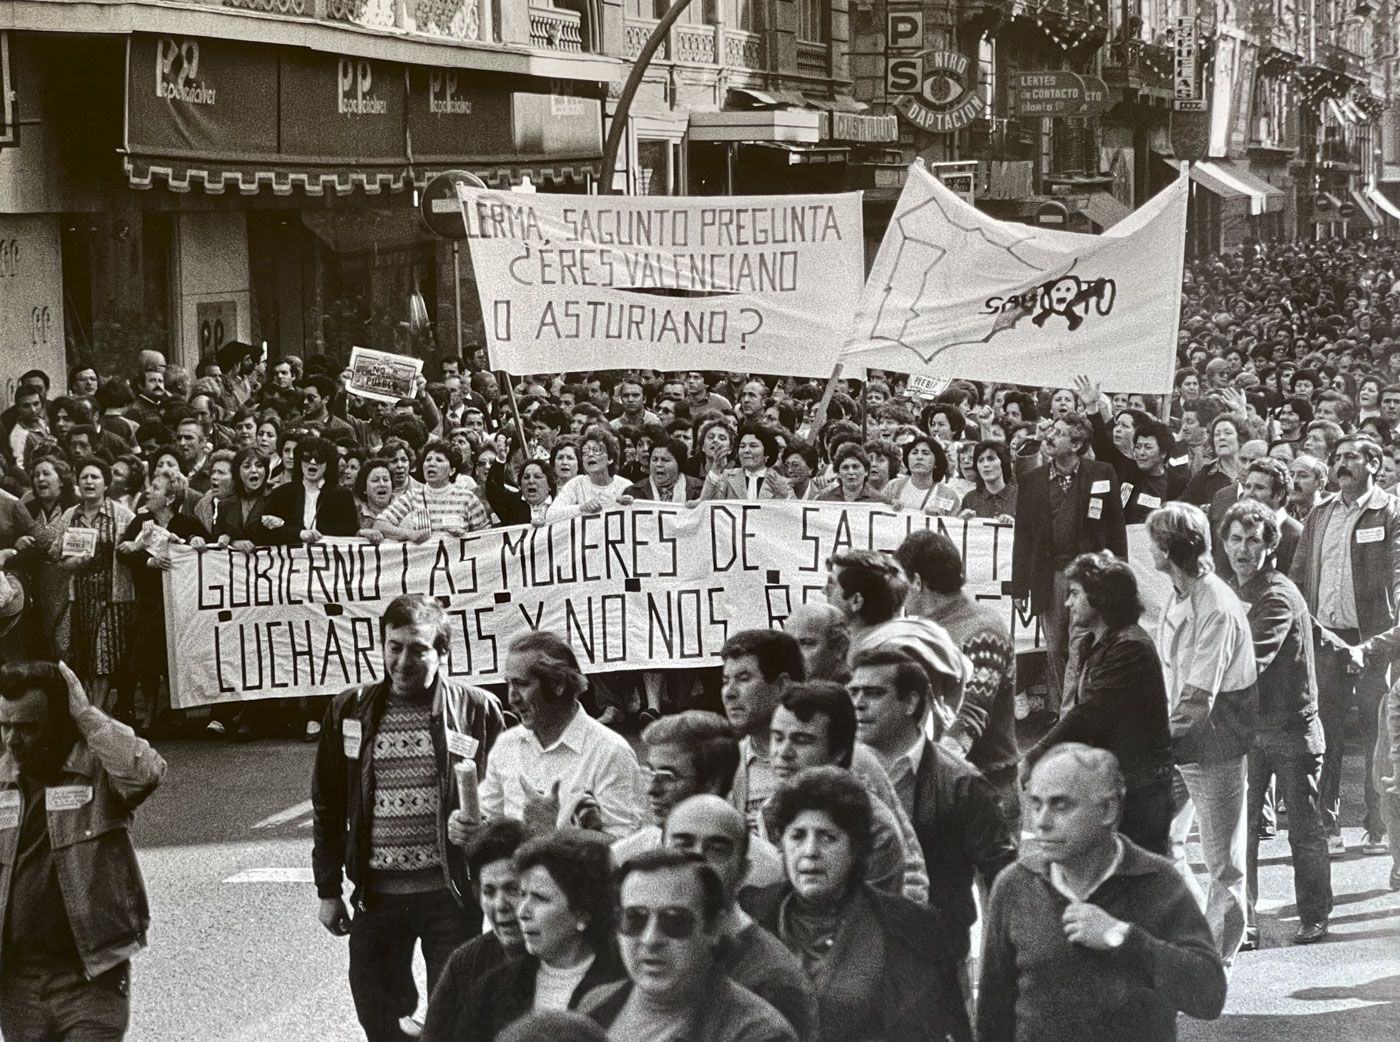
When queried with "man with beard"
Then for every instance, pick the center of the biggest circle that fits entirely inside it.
(72, 902)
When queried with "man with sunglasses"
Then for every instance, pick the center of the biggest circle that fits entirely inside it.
(671, 905)
(713, 828)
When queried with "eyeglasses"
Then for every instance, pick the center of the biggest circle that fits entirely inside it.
(676, 923)
(664, 775)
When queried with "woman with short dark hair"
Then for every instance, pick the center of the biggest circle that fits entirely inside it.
(852, 468)
(566, 914)
(1114, 697)
(882, 966)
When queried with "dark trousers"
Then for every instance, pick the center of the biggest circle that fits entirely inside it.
(1294, 756)
(41, 1004)
(1147, 816)
(1337, 691)
(382, 935)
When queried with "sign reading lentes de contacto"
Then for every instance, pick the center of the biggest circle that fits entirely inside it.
(766, 284)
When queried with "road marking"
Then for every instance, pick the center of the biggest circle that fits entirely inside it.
(284, 816)
(272, 875)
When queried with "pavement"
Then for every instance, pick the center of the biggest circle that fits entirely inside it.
(237, 955)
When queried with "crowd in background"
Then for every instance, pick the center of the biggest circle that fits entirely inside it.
(863, 768)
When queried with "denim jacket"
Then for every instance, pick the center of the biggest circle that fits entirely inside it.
(103, 893)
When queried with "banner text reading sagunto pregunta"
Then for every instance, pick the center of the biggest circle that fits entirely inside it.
(644, 587)
(766, 284)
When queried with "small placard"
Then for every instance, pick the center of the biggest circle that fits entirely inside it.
(79, 542)
(1370, 535)
(350, 738)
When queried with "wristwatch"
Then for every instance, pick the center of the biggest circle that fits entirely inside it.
(1117, 934)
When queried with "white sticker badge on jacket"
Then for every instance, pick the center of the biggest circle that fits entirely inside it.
(67, 797)
(1095, 509)
(459, 744)
(1370, 535)
(350, 738)
(9, 808)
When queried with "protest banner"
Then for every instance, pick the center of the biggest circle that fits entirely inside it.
(956, 293)
(382, 376)
(763, 284)
(652, 586)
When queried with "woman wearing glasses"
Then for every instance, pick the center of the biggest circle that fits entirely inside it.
(882, 965)
(566, 918)
(599, 486)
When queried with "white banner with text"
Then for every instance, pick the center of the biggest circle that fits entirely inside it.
(763, 284)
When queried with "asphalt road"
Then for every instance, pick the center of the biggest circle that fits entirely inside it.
(237, 955)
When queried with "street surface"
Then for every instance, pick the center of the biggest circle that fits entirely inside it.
(237, 954)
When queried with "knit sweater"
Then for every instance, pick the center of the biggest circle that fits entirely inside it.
(404, 831)
(984, 732)
(1037, 985)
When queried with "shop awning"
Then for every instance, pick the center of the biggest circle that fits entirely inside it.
(754, 96)
(840, 103)
(510, 173)
(1365, 210)
(1263, 197)
(1104, 210)
(1381, 203)
(217, 177)
(804, 154)
(1217, 182)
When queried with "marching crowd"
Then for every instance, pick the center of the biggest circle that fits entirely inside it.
(799, 841)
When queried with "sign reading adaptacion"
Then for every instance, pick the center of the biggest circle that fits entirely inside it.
(766, 284)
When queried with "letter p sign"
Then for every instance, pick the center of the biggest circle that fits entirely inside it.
(905, 30)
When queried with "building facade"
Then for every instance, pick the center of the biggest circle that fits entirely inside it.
(177, 176)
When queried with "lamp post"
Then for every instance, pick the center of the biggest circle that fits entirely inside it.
(629, 92)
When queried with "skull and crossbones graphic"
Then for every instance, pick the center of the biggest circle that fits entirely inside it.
(1070, 297)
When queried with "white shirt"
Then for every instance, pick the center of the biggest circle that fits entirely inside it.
(554, 989)
(586, 758)
(308, 511)
(1058, 881)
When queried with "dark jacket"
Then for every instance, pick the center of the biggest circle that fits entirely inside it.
(449, 1010)
(1119, 704)
(962, 832)
(342, 788)
(642, 491)
(730, 1013)
(229, 520)
(336, 513)
(507, 993)
(1375, 563)
(1139, 492)
(104, 896)
(147, 580)
(1202, 488)
(919, 997)
(1032, 564)
(1038, 987)
(1283, 649)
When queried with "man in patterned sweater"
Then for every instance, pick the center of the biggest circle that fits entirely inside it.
(381, 794)
(984, 732)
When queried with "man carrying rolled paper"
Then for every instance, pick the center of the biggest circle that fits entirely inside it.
(386, 781)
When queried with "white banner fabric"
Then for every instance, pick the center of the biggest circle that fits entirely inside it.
(955, 293)
(766, 284)
(647, 587)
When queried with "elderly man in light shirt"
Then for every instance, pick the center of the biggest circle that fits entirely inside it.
(559, 765)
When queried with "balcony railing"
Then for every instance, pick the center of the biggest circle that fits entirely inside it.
(814, 59)
(697, 45)
(554, 29)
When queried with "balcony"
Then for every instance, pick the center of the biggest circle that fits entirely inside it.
(1147, 70)
(554, 29)
(813, 59)
(711, 45)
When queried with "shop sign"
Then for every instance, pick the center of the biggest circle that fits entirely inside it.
(1185, 76)
(1346, 210)
(31, 298)
(452, 112)
(9, 125)
(863, 129)
(335, 106)
(947, 98)
(194, 96)
(1053, 95)
(556, 124)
